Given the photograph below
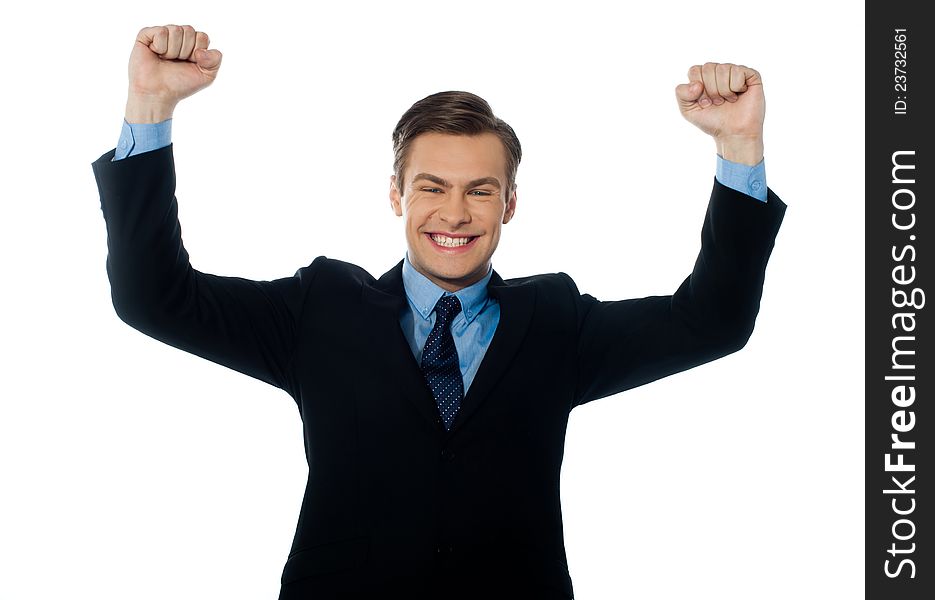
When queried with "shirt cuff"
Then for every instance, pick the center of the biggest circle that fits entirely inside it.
(136, 138)
(743, 178)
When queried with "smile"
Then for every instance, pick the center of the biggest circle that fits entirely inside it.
(451, 242)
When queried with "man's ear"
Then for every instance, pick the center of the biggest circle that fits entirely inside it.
(395, 201)
(510, 207)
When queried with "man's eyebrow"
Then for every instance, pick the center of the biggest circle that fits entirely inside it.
(484, 181)
(432, 178)
(444, 183)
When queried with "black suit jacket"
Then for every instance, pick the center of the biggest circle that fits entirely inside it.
(395, 506)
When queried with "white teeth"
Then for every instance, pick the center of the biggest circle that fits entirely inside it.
(448, 242)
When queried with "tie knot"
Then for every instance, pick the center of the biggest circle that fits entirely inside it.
(447, 308)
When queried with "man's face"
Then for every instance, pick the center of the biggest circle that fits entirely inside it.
(454, 201)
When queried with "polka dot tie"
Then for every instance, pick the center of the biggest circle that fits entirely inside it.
(440, 361)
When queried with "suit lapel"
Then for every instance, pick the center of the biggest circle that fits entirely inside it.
(380, 326)
(387, 297)
(517, 303)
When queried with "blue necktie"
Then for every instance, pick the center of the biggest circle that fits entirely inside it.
(440, 361)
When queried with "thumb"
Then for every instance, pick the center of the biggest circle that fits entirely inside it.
(688, 93)
(208, 59)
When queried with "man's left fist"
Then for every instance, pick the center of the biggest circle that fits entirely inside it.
(726, 101)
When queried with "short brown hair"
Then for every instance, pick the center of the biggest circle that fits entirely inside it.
(457, 113)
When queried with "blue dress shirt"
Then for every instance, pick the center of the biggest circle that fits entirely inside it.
(136, 138)
(474, 327)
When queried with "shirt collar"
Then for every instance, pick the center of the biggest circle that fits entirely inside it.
(423, 294)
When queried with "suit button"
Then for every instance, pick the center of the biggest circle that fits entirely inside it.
(448, 455)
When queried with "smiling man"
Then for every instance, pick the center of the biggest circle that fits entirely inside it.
(434, 399)
(453, 227)
(455, 183)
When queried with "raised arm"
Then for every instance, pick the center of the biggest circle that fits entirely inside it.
(249, 326)
(627, 343)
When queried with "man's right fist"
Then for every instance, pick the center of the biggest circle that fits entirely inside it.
(169, 63)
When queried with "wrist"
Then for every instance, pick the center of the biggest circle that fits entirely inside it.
(744, 149)
(146, 109)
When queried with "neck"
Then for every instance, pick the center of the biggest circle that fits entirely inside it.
(453, 284)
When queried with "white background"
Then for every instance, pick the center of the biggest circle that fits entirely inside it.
(131, 469)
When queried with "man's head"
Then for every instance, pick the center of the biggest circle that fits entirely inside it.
(455, 184)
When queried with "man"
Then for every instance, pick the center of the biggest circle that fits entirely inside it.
(434, 399)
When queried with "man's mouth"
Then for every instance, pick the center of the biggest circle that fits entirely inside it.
(451, 242)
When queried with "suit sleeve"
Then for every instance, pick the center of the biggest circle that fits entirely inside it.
(249, 326)
(627, 343)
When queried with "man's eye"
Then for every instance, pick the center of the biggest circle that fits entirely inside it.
(481, 192)
(431, 189)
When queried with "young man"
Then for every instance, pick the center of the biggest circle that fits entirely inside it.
(435, 398)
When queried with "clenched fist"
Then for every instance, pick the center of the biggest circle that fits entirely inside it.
(168, 63)
(726, 101)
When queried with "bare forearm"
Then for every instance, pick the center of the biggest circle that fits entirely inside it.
(746, 150)
(143, 109)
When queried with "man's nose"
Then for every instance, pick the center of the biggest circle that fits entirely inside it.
(454, 209)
